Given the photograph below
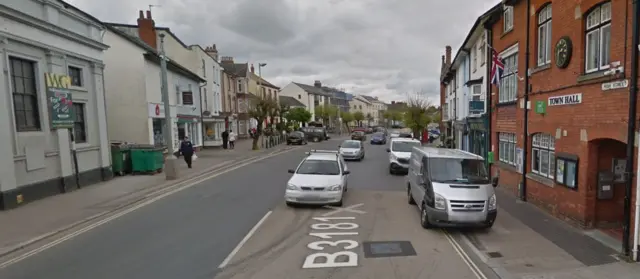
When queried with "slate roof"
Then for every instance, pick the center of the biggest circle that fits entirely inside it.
(290, 101)
(313, 90)
(369, 98)
(236, 69)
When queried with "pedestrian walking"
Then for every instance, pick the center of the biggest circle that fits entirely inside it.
(232, 139)
(186, 149)
(225, 139)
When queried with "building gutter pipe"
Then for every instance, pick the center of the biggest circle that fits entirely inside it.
(631, 133)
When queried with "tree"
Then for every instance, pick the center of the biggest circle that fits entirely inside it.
(260, 110)
(358, 116)
(416, 117)
(299, 115)
(326, 113)
(347, 117)
(386, 116)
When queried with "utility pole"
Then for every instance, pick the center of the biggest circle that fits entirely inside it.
(170, 169)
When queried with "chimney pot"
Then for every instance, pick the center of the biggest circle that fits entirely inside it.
(149, 15)
(317, 83)
(141, 15)
(253, 70)
(448, 55)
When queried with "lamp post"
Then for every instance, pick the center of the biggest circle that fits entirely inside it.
(260, 65)
(170, 169)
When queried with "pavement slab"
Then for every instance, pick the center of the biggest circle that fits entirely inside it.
(290, 243)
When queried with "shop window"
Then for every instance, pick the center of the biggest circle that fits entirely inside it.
(507, 148)
(158, 136)
(567, 170)
(543, 155)
(598, 38)
(79, 124)
(187, 98)
(25, 94)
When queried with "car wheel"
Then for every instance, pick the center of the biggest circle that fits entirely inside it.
(305, 142)
(410, 196)
(289, 204)
(424, 218)
(391, 171)
(316, 139)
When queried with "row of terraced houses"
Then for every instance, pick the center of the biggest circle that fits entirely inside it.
(554, 122)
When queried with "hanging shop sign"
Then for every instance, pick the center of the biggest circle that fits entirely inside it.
(156, 110)
(572, 99)
(60, 100)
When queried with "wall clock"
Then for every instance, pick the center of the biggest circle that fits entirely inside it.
(564, 49)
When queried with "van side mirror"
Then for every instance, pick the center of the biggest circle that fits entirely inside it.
(292, 171)
(494, 181)
(388, 150)
(346, 172)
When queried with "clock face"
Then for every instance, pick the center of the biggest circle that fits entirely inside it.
(563, 52)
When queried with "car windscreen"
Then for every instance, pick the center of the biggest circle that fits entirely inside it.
(350, 144)
(403, 146)
(378, 135)
(318, 130)
(358, 133)
(296, 134)
(319, 167)
(454, 170)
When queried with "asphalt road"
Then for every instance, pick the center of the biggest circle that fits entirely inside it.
(190, 233)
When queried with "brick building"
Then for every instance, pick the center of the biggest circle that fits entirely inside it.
(577, 121)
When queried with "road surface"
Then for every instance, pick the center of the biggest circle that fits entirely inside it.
(209, 231)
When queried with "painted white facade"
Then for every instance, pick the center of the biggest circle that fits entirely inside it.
(359, 103)
(210, 70)
(133, 85)
(478, 60)
(295, 91)
(51, 38)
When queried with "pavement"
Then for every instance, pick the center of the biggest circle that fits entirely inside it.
(233, 223)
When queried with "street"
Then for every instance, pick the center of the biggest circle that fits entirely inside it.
(191, 233)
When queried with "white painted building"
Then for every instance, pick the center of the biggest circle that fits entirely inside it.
(50, 37)
(310, 96)
(212, 111)
(134, 98)
(361, 104)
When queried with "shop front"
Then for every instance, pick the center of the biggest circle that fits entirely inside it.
(212, 128)
(157, 123)
(189, 125)
(477, 135)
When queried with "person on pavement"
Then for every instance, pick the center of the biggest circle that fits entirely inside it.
(186, 149)
(225, 139)
(232, 139)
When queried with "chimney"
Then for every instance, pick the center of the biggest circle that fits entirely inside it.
(393, 102)
(212, 51)
(443, 60)
(253, 70)
(448, 55)
(147, 30)
(226, 60)
(317, 83)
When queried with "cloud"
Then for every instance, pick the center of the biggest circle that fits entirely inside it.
(383, 48)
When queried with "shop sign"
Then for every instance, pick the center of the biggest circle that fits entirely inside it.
(476, 107)
(572, 99)
(156, 110)
(187, 110)
(60, 100)
(615, 85)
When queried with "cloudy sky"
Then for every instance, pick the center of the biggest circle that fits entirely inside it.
(383, 48)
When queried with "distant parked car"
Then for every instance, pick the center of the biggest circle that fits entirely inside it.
(296, 137)
(314, 134)
(378, 138)
(358, 135)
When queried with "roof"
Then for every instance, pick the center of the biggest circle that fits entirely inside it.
(362, 99)
(369, 98)
(476, 24)
(264, 82)
(69, 6)
(350, 140)
(153, 55)
(290, 101)
(236, 69)
(323, 156)
(404, 139)
(313, 90)
(434, 152)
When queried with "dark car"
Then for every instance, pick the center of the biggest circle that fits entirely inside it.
(358, 135)
(314, 134)
(406, 135)
(378, 138)
(296, 137)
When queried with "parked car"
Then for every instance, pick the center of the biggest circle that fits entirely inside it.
(378, 138)
(321, 178)
(352, 150)
(296, 137)
(314, 134)
(358, 135)
(368, 130)
(399, 153)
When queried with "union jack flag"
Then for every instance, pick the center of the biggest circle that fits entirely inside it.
(497, 67)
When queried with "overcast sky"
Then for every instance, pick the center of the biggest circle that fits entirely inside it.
(383, 48)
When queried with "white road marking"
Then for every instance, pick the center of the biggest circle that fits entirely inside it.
(465, 257)
(129, 210)
(349, 209)
(244, 240)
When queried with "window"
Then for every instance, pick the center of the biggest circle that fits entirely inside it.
(240, 86)
(477, 92)
(544, 36)
(508, 91)
(567, 170)
(25, 95)
(598, 38)
(79, 124)
(299, 96)
(187, 98)
(507, 148)
(475, 59)
(543, 155)
(76, 76)
(508, 18)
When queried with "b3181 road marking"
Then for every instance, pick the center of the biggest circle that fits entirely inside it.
(349, 209)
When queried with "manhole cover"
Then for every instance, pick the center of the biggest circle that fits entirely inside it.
(383, 249)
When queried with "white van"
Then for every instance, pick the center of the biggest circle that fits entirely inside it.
(451, 188)
(399, 153)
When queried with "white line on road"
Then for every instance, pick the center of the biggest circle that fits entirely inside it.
(243, 241)
(465, 257)
(127, 211)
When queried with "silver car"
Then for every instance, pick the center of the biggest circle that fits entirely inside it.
(321, 178)
(352, 150)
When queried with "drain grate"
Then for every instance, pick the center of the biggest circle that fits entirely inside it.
(384, 249)
(494, 254)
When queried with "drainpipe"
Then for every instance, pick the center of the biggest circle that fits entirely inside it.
(631, 138)
(523, 189)
(636, 230)
(201, 117)
(488, 58)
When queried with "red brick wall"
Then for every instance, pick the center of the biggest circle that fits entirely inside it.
(601, 115)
